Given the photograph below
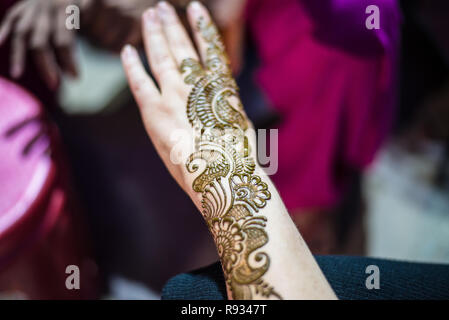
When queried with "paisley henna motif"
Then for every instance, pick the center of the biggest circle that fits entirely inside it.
(232, 194)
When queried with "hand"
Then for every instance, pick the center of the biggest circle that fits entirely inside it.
(168, 47)
(113, 23)
(220, 174)
(38, 26)
(262, 254)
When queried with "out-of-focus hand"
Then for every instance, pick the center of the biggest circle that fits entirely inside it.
(113, 23)
(39, 27)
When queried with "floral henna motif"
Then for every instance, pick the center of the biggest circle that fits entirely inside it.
(251, 190)
(232, 194)
(229, 239)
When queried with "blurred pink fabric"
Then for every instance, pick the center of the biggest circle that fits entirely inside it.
(22, 176)
(42, 230)
(333, 82)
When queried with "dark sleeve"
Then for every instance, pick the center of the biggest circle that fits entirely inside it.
(398, 280)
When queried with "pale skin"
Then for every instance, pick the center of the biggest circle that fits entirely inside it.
(38, 27)
(293, 271)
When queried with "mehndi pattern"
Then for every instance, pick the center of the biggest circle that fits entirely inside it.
(232, 195)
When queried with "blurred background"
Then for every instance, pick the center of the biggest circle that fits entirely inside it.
(362, 116)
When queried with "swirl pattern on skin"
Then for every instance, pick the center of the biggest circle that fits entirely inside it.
(232, 194)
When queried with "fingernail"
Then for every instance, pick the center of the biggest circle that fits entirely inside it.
(196, 10)
(163, 5)
(150, 17)
(127, 51)
(195, 6)
(164, 10)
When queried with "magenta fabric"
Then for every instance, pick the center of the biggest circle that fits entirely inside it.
(42, 230)
(22, 176)
(333, 82)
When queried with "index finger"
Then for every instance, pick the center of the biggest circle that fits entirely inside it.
(6, 25)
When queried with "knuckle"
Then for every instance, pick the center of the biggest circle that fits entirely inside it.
(182, 91)
(180, 42)
(37, 45)
(37, 42)
(20, 30)
(139, 85)
(162, 56)
(166, 74)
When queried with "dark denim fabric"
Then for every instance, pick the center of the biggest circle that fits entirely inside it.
(398, 280)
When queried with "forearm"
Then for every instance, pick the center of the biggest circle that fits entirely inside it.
(262, 253)
(293, 271)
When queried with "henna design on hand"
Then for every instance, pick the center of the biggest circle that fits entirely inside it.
(232, 194)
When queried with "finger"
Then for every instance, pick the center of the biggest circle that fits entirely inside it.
(161, 62)
(207, 38)
(63, 37)
(142, 86)
(45, 62)
(17, 56)
(6, 26)
(63, 41)
(5, 29)
(25, 22)
(178, 40)
(21, 30)
(43, 57)
(40, 33)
